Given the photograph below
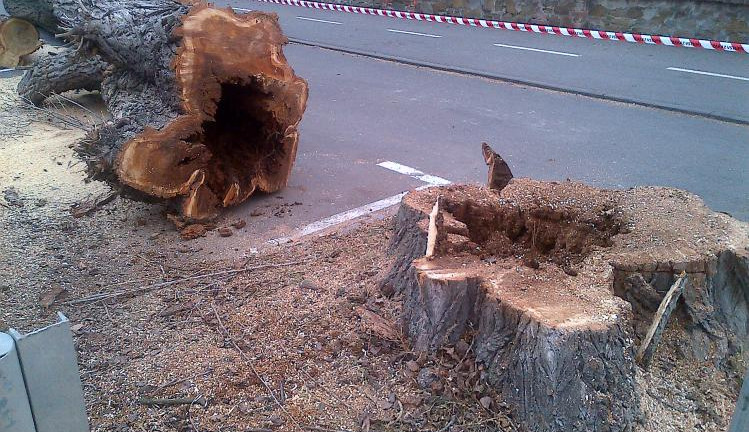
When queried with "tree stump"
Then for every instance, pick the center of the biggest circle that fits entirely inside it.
(17, 39)
(205, 108)
(558, 338)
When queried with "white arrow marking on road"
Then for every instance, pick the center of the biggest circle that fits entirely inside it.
(537, 50)
(319, 20)
(414, 33)
(707, 73)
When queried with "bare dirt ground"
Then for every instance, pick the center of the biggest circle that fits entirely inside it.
(293, 337)
(266, 340)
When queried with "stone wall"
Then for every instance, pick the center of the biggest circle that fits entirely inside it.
(705, 19)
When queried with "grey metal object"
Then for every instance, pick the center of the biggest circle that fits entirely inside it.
(15, 412)
(740, 421)
(53, 383)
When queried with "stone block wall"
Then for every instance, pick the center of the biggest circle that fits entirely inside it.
(706, 19)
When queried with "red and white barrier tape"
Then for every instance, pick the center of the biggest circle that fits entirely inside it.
(562, 31)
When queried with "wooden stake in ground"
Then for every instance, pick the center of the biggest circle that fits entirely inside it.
(205, 108)
(653, 337)
(17, 39)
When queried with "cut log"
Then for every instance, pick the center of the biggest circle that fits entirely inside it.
(205, 110)
(37, 12)
(17, 39)
(561, 349)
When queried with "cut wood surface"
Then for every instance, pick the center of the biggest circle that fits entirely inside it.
(17, 39)
(660, 320)
(205, 110)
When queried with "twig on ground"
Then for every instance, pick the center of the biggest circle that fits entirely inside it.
(176, 401)
(247, 360)
(148, 288)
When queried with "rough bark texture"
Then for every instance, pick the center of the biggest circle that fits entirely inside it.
(558, 338)
(204, 106)
(17, 39)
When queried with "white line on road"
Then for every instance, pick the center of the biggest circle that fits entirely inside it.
(537, 50)
(414, 33)
(6, 70)
(242, 9)
(384, 203)
(413, 172)
(318, 20)
(708, 73)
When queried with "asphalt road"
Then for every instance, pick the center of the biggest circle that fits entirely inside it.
(363, 111)
(617, 70)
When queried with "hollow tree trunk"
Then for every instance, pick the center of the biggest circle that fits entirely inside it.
(204, 105)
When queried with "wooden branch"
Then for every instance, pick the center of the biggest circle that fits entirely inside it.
(147, 288)
(176, 401)
(660, 320)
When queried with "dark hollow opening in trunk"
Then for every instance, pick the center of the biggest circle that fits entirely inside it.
(244, 139)
(508, 230)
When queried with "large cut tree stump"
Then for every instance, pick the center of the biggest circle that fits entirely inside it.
(205, 108)
(545, 275)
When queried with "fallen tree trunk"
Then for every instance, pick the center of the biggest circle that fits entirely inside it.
(17, 39)
(204, 105)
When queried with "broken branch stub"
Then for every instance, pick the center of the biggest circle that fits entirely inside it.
(558, 339)
(204, 113)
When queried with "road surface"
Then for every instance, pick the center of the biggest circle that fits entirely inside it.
(369, 121)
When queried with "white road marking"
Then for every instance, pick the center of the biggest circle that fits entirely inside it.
(414, 33)
(413, 172)
(343, 217)
(372, 207)
(318, 20)
(537, 50)
(707, 73)
(242, 9)
(6, 70)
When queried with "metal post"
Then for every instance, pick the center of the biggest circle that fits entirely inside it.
(740, 422)
(15, 411)
(53, 383)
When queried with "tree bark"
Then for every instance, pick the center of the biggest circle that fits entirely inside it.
(205, 108)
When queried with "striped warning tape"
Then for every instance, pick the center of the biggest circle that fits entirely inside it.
(562, 31)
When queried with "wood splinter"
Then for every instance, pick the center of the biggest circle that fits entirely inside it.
(647, 349)
(435, 223)
(499, 172)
